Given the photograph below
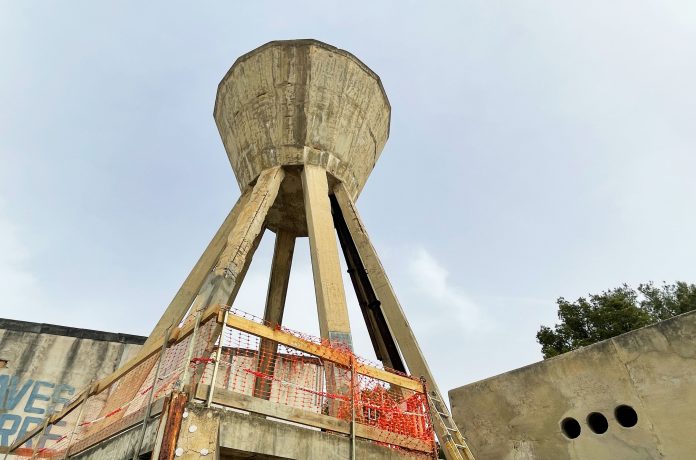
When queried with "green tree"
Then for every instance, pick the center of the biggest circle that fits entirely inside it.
(613, 312)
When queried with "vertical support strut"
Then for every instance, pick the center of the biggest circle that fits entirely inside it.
(377, 327)
(275, 306)
(170, 426)
(334, 324)
(328, 282)
(398, 324)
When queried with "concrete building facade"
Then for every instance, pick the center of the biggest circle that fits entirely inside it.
(630, 397)
(42, 366)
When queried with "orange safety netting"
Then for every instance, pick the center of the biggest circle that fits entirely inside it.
(284, 375)
(253, 367)
(119, 406)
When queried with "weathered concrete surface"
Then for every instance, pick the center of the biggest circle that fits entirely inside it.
(302, 102)
(199, 433)
(517, 415)
(46, 365)
(244, 436)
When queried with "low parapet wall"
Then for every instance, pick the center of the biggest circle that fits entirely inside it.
(42, 366)
(630, 397)
(245, 436)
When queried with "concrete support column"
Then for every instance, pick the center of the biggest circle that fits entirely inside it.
(328, 282)
(199, 435)
(275, 305)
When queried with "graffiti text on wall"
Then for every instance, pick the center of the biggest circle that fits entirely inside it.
(24, 403)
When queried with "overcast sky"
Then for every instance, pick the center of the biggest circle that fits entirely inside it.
(537, 150)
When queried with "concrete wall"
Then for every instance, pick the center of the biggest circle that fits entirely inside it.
(251, 437)
(46, 365)
(248, 437)
(518, 415)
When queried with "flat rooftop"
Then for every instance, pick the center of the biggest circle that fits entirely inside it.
(66, 331)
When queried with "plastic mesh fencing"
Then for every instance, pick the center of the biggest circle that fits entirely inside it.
(121, 405)
(284, 375)
(254, 367)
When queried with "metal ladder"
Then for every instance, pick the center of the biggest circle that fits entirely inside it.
(453, 443)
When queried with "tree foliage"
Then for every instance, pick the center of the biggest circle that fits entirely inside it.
(613, 312)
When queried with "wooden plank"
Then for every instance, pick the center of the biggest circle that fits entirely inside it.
(261, 406)
(172, 424)
(293, 414)
(329, 354)
(326, 268)
(275, 305)
(377, 434)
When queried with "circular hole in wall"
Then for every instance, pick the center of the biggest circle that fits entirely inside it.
(597, 423)
(570, 428)
(626, 416)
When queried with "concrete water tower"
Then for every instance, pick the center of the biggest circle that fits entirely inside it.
(303, 124)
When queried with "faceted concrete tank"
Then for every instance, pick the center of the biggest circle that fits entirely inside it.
(302, 102)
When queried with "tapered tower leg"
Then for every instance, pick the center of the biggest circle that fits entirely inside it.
(188, 293)
(328, 282)
(275, 305)
(334, 324)
(398, 324)
(244, 237)
(224, 281)
(380, 335)
(191, 287)
(239, 236)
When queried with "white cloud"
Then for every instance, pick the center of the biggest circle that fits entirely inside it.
(446, 302)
